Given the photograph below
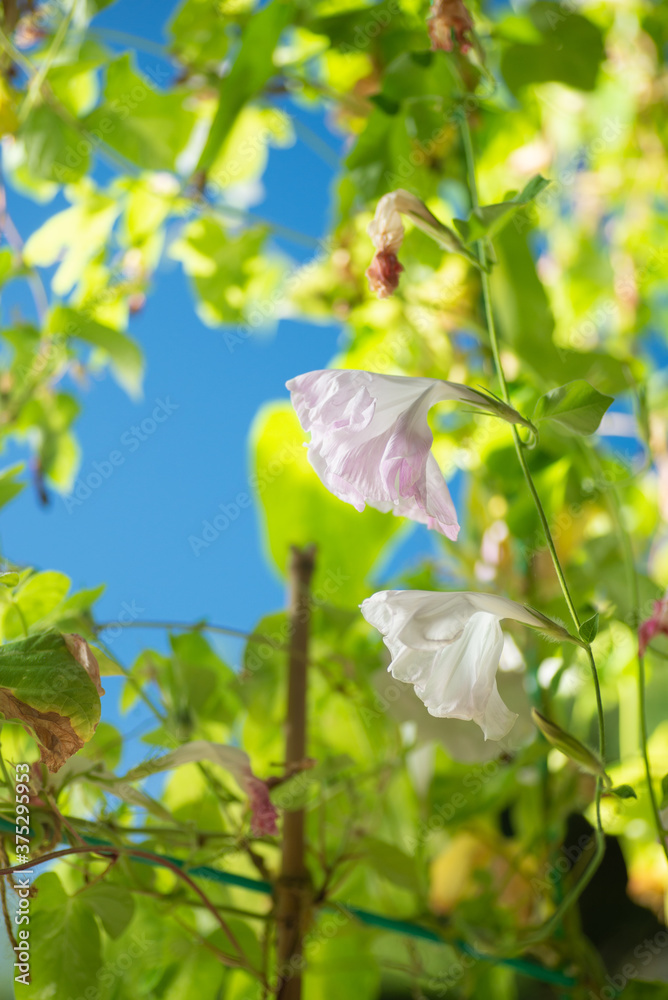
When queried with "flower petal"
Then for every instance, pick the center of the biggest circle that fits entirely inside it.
(448, 646)
(370, 441)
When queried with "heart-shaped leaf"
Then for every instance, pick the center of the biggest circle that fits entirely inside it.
(576, 407)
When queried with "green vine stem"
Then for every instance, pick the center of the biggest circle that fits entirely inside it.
(642, 716)
(575, 891)
(405, 927)
(615, 507)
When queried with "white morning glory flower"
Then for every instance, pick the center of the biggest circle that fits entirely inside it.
(448, 646)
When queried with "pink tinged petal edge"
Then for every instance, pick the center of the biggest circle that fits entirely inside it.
(392, 470)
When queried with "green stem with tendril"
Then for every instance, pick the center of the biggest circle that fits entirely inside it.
(575, 890)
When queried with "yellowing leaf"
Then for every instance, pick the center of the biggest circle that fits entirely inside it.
(73, 237)
(51, 685)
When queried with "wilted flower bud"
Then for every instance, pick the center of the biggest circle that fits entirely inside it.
(386, 230)
(383, 273)
(448, 18)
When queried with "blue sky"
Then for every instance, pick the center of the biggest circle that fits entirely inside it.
(132, 531)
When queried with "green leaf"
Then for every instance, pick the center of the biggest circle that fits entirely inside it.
(252, 69)
(196, 35)
(527, 323)
(247, 938)
(577, 407)
(40, 596)
(113, 904)
(230, 758)
(229, 274)
(343, 965)
(50, 693)
(108, 666)
(200, 680)
(296, 509)
(386, 104)
(9, 579)
(9, 487)
(571, 51)
(371, 162)
(570, 746)
(6, 265)
(83, 600)
(623, 792)
(488, 220)
(664, 792)
(54, 150)
(125, 355)
(640, 989)
(74, 84)
(74, 237)
(589, 629)
(143, 125)
(445, 237)
(65, 942)
(392, 863)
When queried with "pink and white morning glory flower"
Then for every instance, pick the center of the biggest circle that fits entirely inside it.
(448, 646)
(371, 441)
